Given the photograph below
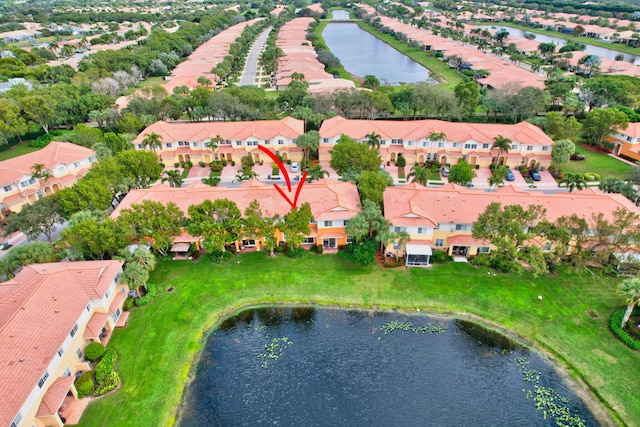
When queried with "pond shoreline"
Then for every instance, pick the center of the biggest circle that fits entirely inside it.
(600, 409)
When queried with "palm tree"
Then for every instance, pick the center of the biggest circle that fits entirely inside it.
(316, 172)
(67, 51)
(630, 289)
(152, 140)
(38, 171)
(373, 140)
(214, 143)
(141, 256)
(419, 174)
(246, 175)
(135, 276)
(174, 178)
(502, 144)
(497, 177)
(573, 181)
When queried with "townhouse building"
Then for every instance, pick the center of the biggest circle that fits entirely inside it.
(50, 312)
(184, 142)
(332, 204)
(442, 218)
(422, 141)
(627, 142)
(63, 163)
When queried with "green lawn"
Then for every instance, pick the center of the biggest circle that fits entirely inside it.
(17, 150)
(598, 162)
(162, 340)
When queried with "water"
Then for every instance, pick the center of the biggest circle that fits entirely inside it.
(340, 369)
(361, 54)
(340, 15)
(542, 38)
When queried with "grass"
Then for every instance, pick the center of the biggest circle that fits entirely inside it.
(161, 342)
(17, 150)
(598, 162)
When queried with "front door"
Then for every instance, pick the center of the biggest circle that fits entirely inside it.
(329, 243)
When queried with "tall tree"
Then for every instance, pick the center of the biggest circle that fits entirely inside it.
(462, 173)
(259, 225)
(573, 182)
(296, 225)
(11, 122)
(40, 109)
(368, 222)
(218, 222)
(419, 175)
(152, 220)
(497, 176)
(373, 140)
(601, 122)
(173, 177)
(630, 290)
(562, 151)
(371, 186)
(28, 253)
(309, 141)
(316, 172)
(503, 145)
(152, 140)
(348, 154)
(35, 219)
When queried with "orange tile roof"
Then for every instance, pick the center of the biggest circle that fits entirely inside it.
(287, 127)
(56, 153)
(38, 309)
(413, 130)
(453, 203)
(54, 396)
(329, 199)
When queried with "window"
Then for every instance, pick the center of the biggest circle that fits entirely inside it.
(485, 146)
(79, 353)
(238, 142)
(547, 247)
(428, 156)
(396, 141)
(24, 184)
(249, 243)
(43, 379)
(280, 142)
(483, 249)
(529, 147)
(115, 315)
(456, 144)
(424, 143)
(439, 243)
(140, 147)
(328, 223)
(349, 239)
(545, 148)
(309, 240)
(16, 420)
(60, 351)
(325, 140)
(396, 246)
(107, 295)
(629, 138)
(383, 142)
(196, 144)
(67, 372)
(74, 330)
(422, 230)
(440, 144)
(470, 146)
(252, 143)
(410, 143)
(7, 188)
(399, 229)
(513, 147)
(267, 141)
(169, 145)
(227, 142)
(461, 227)
(183, 144)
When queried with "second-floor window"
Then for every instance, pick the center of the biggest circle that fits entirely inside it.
(6, 188)
(183, 144)
(328, 223)
(439, 243)
(461, 227)
(43, 379)
(74, 330)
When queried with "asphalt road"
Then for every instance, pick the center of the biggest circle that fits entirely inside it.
(251, 65)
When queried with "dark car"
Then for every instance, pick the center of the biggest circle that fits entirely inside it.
(510, 176)
(534, 175)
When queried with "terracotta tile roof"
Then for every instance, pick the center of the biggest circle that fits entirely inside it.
(329, 199)
(413, 130)
(95, 325)
(453, 203)
(465, 240)
(233, 131)
(38, 309)
(54, 396)
(56, 153)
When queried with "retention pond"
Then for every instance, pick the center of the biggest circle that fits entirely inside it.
(314, 367)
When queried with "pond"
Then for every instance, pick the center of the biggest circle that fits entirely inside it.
(340, 15)
(311, 366)
(362, 54)
(543, 38)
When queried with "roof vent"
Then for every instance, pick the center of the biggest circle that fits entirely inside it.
(57, 311)
(21, 360)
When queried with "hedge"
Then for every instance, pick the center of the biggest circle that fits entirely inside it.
(93, 351)
(106, 377)
(84, 384)
(151, 292)
(614, 324)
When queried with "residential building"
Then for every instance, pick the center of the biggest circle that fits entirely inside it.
(332, 204)
(627, 142)
(442, 218)
(50, 312)
(473, 142)
(65, 163)
(183, 142)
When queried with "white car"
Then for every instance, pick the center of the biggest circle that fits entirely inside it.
(295, 167)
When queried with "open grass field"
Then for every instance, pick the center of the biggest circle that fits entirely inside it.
(598, 162)
(162, 340)
(17, 150)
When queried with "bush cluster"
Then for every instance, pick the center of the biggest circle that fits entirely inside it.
(614, 325)
(152, 290)
(128, 304)
(360, 253)
(439, 257)
(297, 252)
(93, 351)
(84, 384)
(106, 377)
(44, 140)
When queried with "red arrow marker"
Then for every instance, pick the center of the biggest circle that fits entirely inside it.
(286, 178)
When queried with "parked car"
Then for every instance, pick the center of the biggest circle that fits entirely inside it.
(445, 171)
(510, 176)
(534, 175)
(295, 167)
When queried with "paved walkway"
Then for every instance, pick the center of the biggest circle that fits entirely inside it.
(250, 70)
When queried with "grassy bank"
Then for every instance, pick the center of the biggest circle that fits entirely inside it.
(586, 40)
(162, 340)
(341, 72)
(598, 162)
(440, 70)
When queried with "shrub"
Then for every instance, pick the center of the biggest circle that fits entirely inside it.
(401, 161)
(176, 165)
(152, 290)
(393, 264)
(128, 304)
(614, 325)
(439, 257)
(201, 164)
(295, 252)
(109, 382)
(106, 364)
(481, 260)
(220, 256)
(93, 351)
(84, 384)
(360, 253)
(43, 140)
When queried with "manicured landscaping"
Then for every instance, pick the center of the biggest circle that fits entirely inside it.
(162, 340)
(17, 150)
(598, 162)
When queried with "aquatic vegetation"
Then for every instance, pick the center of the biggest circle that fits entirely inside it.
(408, 326)
(547, 400)
(274, 350)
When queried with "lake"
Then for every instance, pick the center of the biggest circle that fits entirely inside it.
(340, 15)
(361, 54)
(543, 38)
(307, 366)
